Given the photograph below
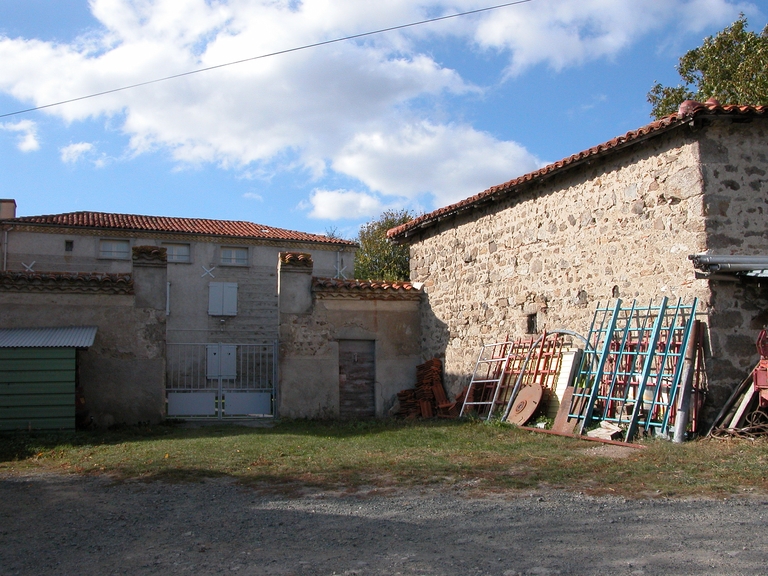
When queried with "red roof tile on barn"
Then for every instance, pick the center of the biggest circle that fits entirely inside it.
(204, 226)
(688, 111)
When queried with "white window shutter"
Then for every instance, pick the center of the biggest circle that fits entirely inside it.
(229, 299)
(215, 298)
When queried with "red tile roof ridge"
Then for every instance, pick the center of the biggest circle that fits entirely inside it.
(66, 282)
(96, 276)
(296, 259)
(204, 226)
(363, 285)
(687, 111)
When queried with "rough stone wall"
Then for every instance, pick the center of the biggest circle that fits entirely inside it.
(735, 174)
(620, 227)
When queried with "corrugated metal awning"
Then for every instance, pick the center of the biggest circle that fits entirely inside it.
(67, 337)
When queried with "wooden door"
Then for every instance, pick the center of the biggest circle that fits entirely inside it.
(357, 375)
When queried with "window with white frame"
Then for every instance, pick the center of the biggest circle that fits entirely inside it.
(222, 298)
(177, 252)
(115, 249)
(234, 256)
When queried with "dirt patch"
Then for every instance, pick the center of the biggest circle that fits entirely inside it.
(609, 451)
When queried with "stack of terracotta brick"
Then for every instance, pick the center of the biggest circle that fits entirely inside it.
(428, 398)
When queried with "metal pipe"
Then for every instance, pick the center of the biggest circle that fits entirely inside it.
(720, 259)
(689, 367)
(738, 267)
(5, 248)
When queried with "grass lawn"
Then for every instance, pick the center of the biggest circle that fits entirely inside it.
(348, 456)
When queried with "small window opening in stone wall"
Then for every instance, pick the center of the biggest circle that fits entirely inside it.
(615, 291)
(532, 324)
(69, 245)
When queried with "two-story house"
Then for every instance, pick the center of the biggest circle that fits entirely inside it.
(221, 302)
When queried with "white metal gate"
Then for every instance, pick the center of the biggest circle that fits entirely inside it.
(221, 380)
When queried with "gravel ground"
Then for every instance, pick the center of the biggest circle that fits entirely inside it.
(86, 526)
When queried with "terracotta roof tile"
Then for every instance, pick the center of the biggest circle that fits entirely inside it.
(687, 111)
(297, 259)
(66, 282)
(203, 226)
(364, 286)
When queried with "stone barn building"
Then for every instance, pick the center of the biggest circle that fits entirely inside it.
(617, 220)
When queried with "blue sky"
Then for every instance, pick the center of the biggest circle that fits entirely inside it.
(328, 137)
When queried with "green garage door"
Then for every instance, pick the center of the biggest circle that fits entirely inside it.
(38, 374)
(37, 388)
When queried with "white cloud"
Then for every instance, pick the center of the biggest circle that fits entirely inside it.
(461, 161)
(253, 196)
(27, 139)
(343, 204)
(562, 33)
(373, 109)
(72, 153)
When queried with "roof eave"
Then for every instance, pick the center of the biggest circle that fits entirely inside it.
(495, 196)
(690, 114)
(20, 222)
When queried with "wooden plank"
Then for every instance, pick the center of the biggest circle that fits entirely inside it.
(39, 424)
(357, 375)
(15, 401)
(730, 405)
(563, 424)
(36, 365)
(737, 419)
(31, 378)
(568, 367)
(52, 353)
(36, 412)
(21, 388)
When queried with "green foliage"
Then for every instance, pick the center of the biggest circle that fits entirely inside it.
(730, 67)
(378, 258)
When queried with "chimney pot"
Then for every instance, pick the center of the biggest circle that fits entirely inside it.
(7, 208)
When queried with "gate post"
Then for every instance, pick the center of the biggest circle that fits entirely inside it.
(275, 376)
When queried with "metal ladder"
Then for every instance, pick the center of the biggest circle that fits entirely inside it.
(488, 377)
(631, 373)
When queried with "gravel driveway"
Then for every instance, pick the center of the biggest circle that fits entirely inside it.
(89, 526)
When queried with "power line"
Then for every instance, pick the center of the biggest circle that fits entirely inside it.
(278, 53)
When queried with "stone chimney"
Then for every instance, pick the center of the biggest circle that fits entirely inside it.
(294, 283)
(7, 208)
(150, 276)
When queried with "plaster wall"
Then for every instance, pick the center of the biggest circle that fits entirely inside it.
(309, 349)
(257, 318)
(123, 373)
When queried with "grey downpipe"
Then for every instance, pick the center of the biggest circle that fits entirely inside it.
(5, 248)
